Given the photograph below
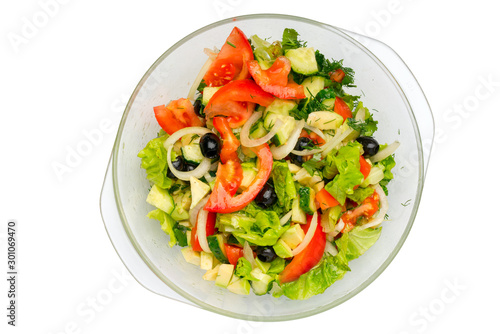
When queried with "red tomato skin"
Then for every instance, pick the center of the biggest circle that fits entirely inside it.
(342, 108)
(233, 253)
(195, 244)
(308, 258)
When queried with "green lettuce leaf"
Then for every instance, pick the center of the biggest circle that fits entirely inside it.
(357, 241)
(154, 161)
(347, 163)
(167, 224)
(317, 280)
(277, 266)
(283, 184)
(360, 194)
(265, 52)
(290, 40)
(243, 269)
(387, 165)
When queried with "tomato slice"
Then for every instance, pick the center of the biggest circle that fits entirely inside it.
(342, 108)
(367, 209)
(309, 257)
(274, 80)
(325, 199)
(229, 141)
(177, 115)
(337, 76)
(221, 200)
(313, 136)
(237, 100)
(364, 166)
(231, 61)
(195, 244)
(230, 175)
(233, 253)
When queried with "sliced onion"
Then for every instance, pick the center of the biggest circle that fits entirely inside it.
(360, 116)
(211, 53)
(198, 79)
(248, 254)
(382, 154)
(214, 166)
(282, 151)
(209, 177)
(201, 169)
(338, 227)
(330, 145)
(330, 249)
(379, 217)
(316, 131)
(201, 229)
(285, 218)
(193, 213)
(245, 131)
(309, 235)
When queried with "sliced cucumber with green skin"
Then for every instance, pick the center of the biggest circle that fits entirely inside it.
(293, 236)
(281, 107)
(249, 174)
(258, 130)
(192, 153)
(216, 245)
(283, 134)
(306, 200)
(282, 249)
(161, 199)
(179, 213)
(313, 85)
(328, 103)
(224, 275)
(325, 120)
(303, 60)
(239, 287)
(263, 285)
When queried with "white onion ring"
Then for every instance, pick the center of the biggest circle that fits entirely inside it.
(382, 154)
(201, 169)
(379, 217)
(282, 151)
(201, 230)
(316, 131)
(245, 131)
(198, 79)
(338, 227)
(248, 254)
(285, 218)
(193, 213)
(309, 235)
(330, 145)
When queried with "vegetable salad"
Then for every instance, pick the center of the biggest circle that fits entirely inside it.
(267, 173)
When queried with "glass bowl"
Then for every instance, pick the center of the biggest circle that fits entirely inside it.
(393, 95)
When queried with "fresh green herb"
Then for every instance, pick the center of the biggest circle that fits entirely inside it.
(180, 234)
(327, 66)
(290, 40)
(193, 137)
(405, 204)
(202, 85)
(231, 44)
(314, 164)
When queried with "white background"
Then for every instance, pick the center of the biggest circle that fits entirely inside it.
(77, 70)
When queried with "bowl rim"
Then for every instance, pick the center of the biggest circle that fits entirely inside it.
(207, 306)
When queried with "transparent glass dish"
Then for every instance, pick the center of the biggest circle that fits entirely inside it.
(387, 87)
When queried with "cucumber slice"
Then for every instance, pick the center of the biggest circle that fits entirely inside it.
(303, 60)
(281, 107)
(325, 120)
(293, 236)
(191, 256)
(224, 275)
(282, 249)
(239, 286)
(257, 130)
(263, 285)
(307, 200)
(313, 85)
(198, 190)
(283, 134)
(298, 215)
(161, 199)
(216, 245)
(208, 92)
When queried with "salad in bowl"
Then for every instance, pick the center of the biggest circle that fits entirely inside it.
(267, 173)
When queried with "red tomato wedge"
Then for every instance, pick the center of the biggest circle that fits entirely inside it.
(177, 115)
(221, 200)
(195, 244)
(231, 175)
(313, 136)
(364, 166)
(274, 80)
(233, 253)
(229, 141)
(367, 209)
(237, 100)
(342, 108)
(231, 61)
(325, 199)
(308, 258)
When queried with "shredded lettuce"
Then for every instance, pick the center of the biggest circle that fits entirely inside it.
(347, 163)
(167, 224)
(154, 161)
(356, 243)
(316, 280)
(264, 229)
(283, 184)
